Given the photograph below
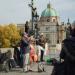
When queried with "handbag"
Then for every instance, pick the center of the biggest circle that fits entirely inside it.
(58, 69)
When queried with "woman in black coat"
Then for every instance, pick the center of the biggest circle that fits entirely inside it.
(68, 54)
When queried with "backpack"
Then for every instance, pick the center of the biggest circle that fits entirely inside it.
(41, 67)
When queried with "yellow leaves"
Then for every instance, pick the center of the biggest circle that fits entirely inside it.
(6, 43)
(1, 30)
(9, 35)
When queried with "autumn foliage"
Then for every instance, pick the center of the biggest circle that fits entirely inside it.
(9, 35)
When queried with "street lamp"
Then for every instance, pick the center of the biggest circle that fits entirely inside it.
(34, 19)
(32, 12)
(36, 25)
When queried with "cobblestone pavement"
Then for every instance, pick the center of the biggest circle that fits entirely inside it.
(19, 71)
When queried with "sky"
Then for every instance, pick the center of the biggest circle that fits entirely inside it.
(18, 11)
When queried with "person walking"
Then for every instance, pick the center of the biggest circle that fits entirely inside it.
(25, 51)
(33, 52)
(42, 41)
(68, 54)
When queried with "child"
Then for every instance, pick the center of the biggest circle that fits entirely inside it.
(33, 55)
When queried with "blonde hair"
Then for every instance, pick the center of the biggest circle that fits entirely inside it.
(32, 40)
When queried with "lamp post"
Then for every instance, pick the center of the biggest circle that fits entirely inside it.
(32, 13)
(36, 24)
(34, 18)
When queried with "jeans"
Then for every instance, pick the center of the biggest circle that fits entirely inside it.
(25, 61)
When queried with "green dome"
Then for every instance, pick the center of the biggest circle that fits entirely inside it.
(49, 12)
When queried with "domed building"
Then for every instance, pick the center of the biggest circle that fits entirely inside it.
(49, 14)
(50, 25)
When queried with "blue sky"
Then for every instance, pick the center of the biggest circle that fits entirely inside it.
(17, 11)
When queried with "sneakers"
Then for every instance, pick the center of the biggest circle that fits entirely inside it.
(25, 69)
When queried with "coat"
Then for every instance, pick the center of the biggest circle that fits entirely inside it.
(24, 46)
(42, 41)
(68, 54)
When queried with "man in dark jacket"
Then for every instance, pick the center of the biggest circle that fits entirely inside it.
(42, 42)
(68, 54)
(25, 50)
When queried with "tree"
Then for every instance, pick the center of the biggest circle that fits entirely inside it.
(1, 31)
(9, 35)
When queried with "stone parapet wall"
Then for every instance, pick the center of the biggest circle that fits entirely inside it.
(4, 50)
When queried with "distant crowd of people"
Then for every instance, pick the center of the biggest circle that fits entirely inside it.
(30, 50)
(27, 52)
